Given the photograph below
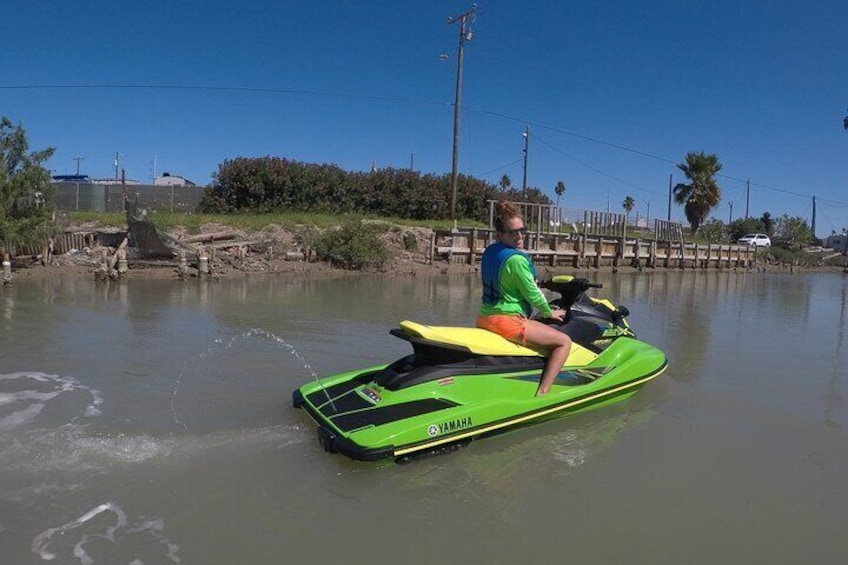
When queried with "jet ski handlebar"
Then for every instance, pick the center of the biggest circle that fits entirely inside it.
(569, 289)
(569, 286)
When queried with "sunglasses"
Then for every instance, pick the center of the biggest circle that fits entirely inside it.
(519, 231)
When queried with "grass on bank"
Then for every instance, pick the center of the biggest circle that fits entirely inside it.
(803, 258)
(252, 222)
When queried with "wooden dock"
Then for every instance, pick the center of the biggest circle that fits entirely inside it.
(582, 250)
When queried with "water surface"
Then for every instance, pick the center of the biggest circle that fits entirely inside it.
(150, 422)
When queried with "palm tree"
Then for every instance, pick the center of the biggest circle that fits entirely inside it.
(702, 194)
(505, 183)
(768, 223)
(560, 190)
(628, 205)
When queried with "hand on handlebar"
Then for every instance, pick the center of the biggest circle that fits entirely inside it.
(557, 314)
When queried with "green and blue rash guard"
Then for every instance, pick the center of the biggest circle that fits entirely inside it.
(509, 283)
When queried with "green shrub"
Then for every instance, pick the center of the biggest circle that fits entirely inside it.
(838, 261)
(355, 245)
(794, 256)
(713, 231)
(410, 242)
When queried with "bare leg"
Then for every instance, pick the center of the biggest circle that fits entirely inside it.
(537, 333)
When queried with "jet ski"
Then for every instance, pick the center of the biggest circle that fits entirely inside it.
(464, 383)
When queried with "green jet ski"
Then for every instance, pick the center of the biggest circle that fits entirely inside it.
(464, 383)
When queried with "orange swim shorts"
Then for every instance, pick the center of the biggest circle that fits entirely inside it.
(510, 326)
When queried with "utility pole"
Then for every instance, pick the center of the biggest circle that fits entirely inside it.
(463, 37)
(412, 161)
(669, 198)
(747, 197)
(526, 135)
(730, 217)
(78, 159)
(124, 190)
(814, 217)
(116, 165)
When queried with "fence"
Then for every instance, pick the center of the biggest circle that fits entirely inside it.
(67, 241)
(549, 218)
(79, 197)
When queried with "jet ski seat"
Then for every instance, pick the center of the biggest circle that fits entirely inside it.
(476, 340)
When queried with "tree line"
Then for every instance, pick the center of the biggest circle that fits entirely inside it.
(26, 193)
(273, 184)
(791, 232)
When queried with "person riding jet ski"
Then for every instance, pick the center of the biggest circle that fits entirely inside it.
(510, 293)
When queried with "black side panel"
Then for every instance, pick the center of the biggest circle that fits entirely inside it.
(385, 415)
(577, 377)
(319, 397)
(583, 331)
(431, 362)
(346, 403)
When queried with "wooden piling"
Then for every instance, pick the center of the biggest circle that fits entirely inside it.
(7, 270)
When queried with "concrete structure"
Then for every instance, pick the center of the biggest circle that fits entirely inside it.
(837, 242)
(167, 179)
(109, 181)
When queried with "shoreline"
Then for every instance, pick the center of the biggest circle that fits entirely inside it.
(281, 254)
(150, 270)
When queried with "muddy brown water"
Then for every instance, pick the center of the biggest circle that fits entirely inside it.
(149, 421)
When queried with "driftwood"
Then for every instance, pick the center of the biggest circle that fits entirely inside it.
(114, 259)
(204, 237)
(240, 243)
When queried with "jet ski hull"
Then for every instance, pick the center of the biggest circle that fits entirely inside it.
(367, 415)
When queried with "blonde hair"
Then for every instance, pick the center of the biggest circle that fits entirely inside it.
(505, 211)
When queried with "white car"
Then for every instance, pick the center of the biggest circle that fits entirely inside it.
(756, 239)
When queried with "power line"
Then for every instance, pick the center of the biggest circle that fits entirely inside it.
(308, 92)
(767, 187)
(832, 203)
(498, 168)
(572, 134)
(634, 151)
(249, 89)
(590, 167)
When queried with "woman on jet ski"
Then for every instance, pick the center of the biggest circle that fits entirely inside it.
(510, 293)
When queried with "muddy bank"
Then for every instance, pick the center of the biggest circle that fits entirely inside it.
(169, 270)
(277, 251)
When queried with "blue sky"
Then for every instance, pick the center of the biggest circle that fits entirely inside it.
(614, 92)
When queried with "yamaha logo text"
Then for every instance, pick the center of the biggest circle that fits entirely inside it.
(449, 427)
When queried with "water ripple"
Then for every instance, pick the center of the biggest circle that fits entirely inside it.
(82, 538)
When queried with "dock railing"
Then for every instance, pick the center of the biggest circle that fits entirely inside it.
(576, 250)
